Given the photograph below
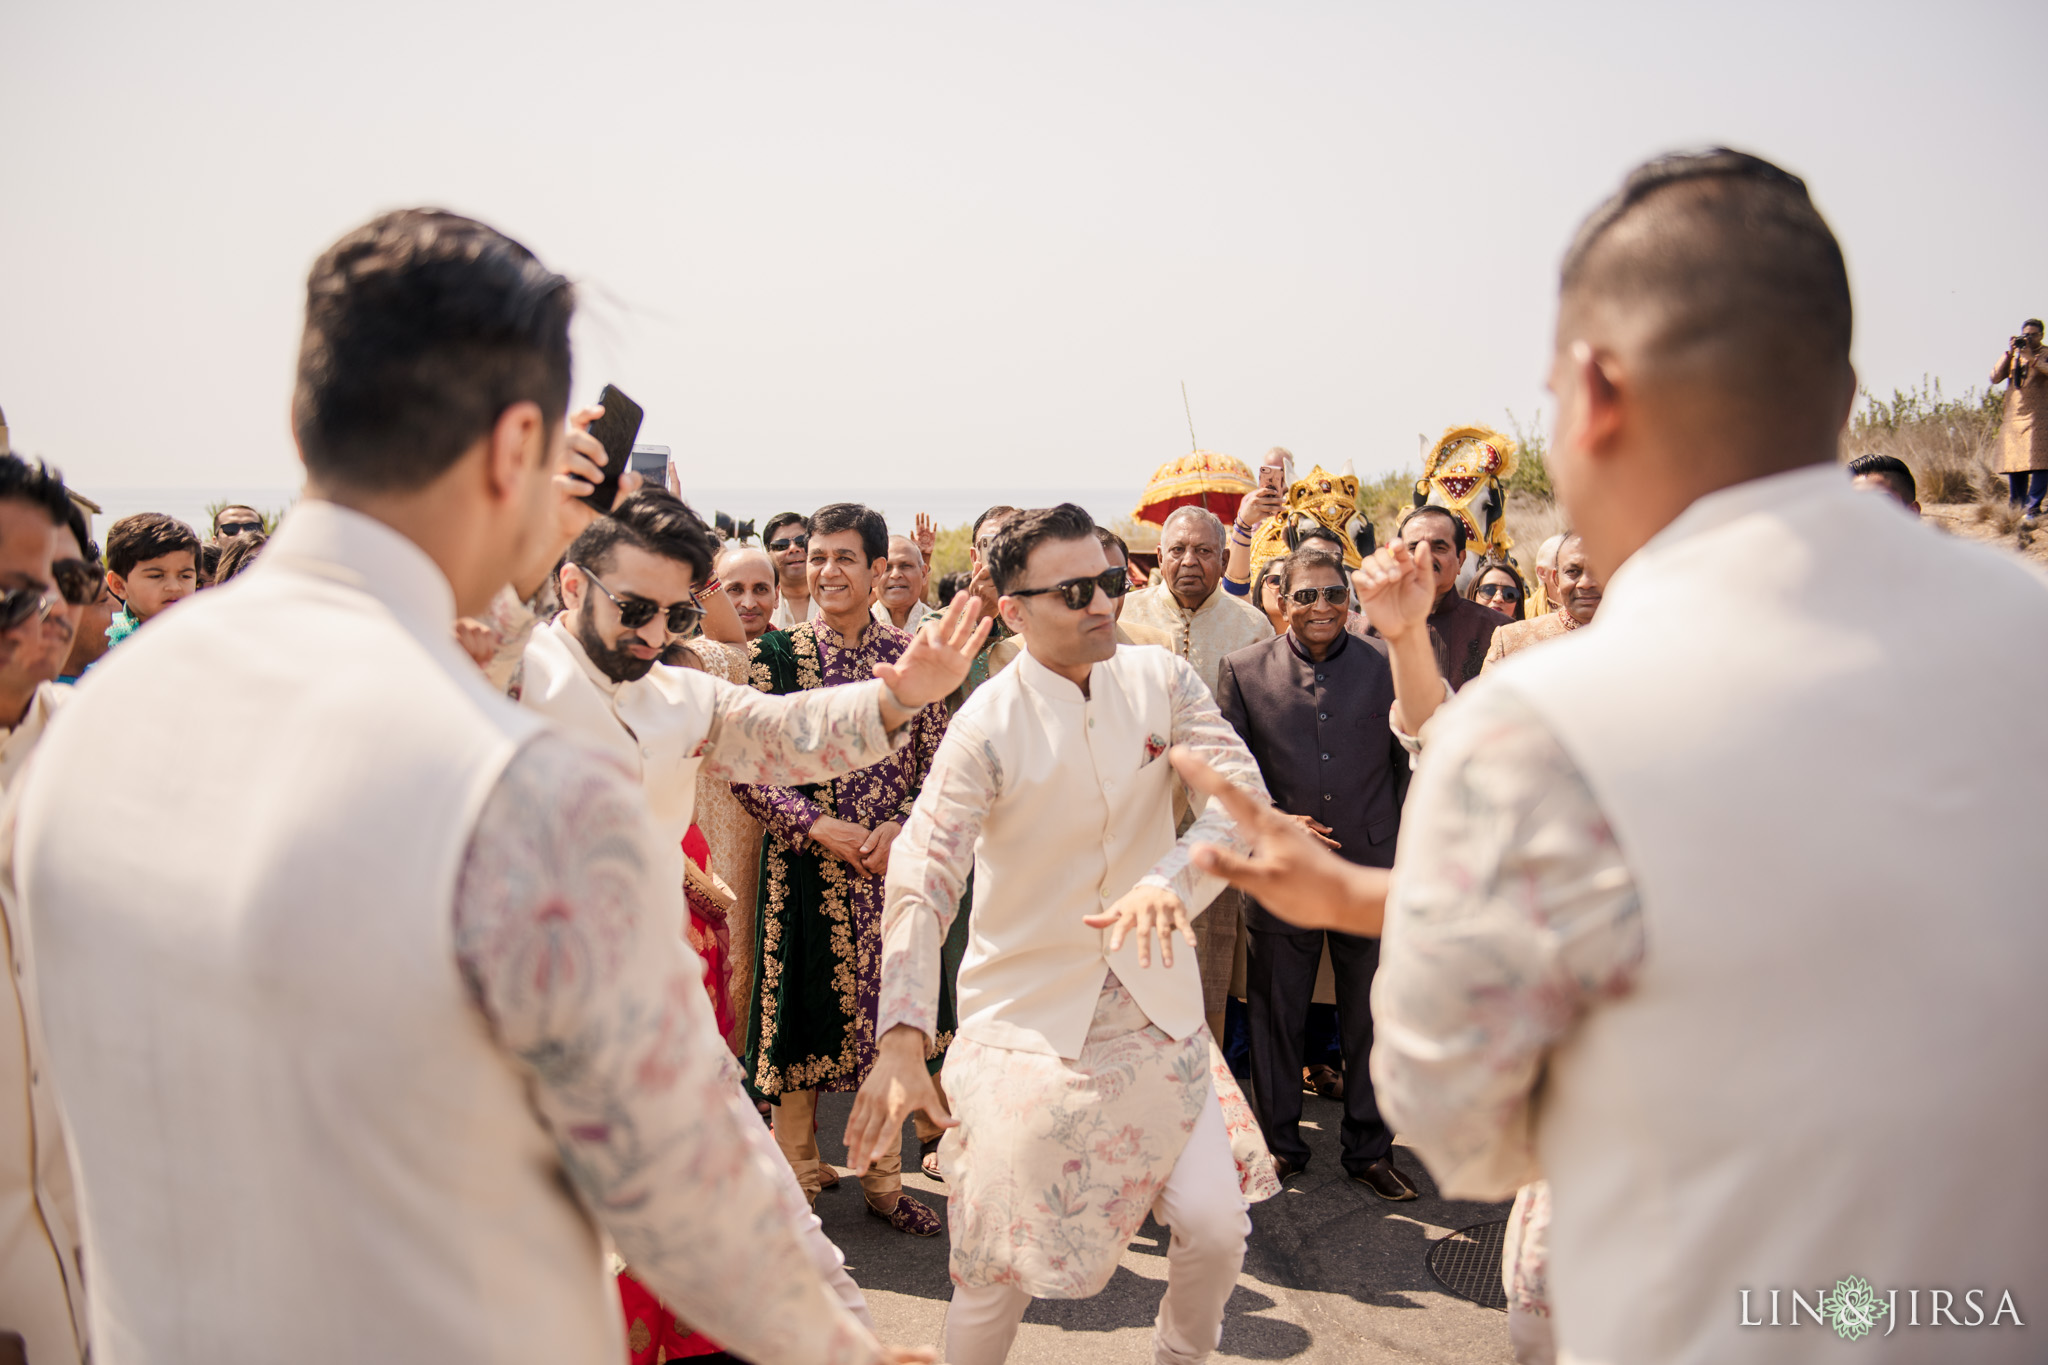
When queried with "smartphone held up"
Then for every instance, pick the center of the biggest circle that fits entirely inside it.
(615, 431)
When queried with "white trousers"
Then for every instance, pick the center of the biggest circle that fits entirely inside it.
(1203, 1206)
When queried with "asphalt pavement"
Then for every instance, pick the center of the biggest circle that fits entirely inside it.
(1333, 1273)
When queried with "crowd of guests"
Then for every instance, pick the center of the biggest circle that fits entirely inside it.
(397, 966)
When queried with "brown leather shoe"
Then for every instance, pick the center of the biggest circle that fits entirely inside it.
(1384, 1180)
(1323, 1080)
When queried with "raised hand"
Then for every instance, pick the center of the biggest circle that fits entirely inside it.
(1395, 591)
(1287, 872)
(926, 536)
(938, 657)
(1151, 912)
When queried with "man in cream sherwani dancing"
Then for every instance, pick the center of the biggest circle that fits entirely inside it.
(1081, 1071)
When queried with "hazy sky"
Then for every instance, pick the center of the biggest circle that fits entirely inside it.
(967, 244)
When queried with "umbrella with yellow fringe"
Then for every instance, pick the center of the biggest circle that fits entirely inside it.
(1201, 478)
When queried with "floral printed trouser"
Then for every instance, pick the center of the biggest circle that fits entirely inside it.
(1056, 1163)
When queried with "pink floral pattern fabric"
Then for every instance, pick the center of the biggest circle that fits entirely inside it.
(1056, 1163)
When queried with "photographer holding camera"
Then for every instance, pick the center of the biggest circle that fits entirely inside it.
(2022, 437)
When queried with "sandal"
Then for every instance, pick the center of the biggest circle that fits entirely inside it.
(828, 1176)
(909, 1216)
(928, 1152)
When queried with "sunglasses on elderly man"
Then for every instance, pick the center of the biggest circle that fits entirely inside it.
(1077, 593)
(638, 611)
(1334, 594)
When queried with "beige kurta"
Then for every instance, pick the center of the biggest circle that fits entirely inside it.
(735, 840)
(2023, 436)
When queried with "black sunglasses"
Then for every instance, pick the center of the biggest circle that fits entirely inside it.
(1077, 593)
(1506, 590)
(682, 616)
(784, 542)
(238, 528)
(79, 582)
(19, 605)
(1333, 594)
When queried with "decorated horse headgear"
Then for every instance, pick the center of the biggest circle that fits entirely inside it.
(1465, 474)
(1316, 503)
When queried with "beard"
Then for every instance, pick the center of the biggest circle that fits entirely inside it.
(612, 661)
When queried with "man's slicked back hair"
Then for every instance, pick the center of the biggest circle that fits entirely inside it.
(1893, 470)
(1011, 550)
(1002, 511)
(835, 517)
(422, 327)
(654, 520)
(1724, 255)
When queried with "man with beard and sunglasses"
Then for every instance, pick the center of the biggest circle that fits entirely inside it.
(628, 585)
(43, 586)
(1083, 1076)
(1314, 707)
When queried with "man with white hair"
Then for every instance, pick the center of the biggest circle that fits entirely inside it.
(900, 593)
(1202, 623)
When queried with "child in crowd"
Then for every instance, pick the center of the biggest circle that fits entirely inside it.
(152, 561)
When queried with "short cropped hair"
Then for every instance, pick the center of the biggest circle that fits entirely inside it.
(835, 517)
(422, 327)
(1310, 556)
(1002, 511)
(1722, 253)
(2032, 322)
(1893, 470)
(74, 519)
(1025, 532)
(40, 487)
(1202, 516)
(146, 536)
(782, 519)
(1109, 538)
(654, 520)
(1458, 531)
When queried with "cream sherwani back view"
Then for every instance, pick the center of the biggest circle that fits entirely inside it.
(1834, 1062)
(297, 1139)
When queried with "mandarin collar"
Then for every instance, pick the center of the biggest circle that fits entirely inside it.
(1301, 650)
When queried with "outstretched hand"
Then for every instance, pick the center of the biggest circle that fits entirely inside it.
(897, 1086)
(1395, 590)
(1151, 913)
(1287, 872)
(938, 657)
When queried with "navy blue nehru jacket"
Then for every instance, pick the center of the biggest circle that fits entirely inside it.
(1320, 734)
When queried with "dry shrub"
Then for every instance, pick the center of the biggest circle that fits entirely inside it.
(1948, 443)
(1531, 521)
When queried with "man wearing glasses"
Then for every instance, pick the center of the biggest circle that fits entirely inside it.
(1313, 706)
(1081, 1075)
(788, 539)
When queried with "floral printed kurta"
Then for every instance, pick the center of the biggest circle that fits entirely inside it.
(735, 840)
(818, 921)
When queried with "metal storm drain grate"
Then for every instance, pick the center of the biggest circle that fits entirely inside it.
(1468, 1264)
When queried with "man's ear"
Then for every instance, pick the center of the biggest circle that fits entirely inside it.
(1599, 390)
(518, 441)
(1012, 612)
(573, 587)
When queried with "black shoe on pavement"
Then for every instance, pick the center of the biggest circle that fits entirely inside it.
(1283, 1168)
(1384, 1180)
